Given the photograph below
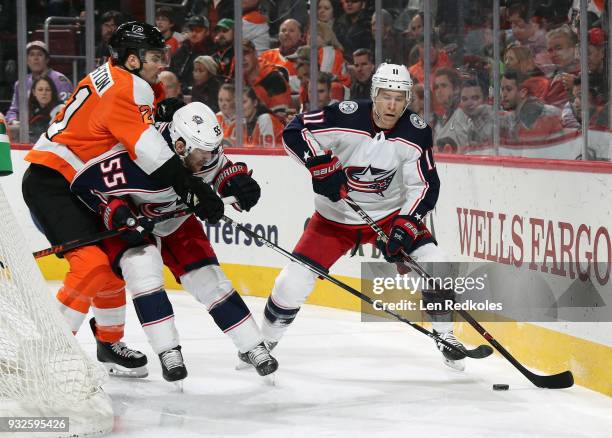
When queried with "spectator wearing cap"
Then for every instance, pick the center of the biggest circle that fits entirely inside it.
(109, 22)
(206, 84)
(363, 68)
(353, 27)
(561, 43)
(290, 37)
(196, 44)
(38, 64)
(268, 82)
(255, 26)
(224, 41)
(164, 21)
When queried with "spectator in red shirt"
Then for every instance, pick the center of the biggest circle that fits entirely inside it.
(561, 44)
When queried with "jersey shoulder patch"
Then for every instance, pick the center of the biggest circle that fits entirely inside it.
(348, 106)
(417, 121)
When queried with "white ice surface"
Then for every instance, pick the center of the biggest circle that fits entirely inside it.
(339, 377)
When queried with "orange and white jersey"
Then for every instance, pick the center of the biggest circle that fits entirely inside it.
(331, 60)
(110, 107)
(274, 57)
(267, 133)
(255, 28)
(225, 122)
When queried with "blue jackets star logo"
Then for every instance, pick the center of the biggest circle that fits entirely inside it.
(369, 179)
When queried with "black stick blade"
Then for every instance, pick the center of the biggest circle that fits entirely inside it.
(480, 352)
(556, 381)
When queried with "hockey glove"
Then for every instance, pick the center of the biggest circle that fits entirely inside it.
(328, 177)
(166, 109)
(404, 233)
(203, 200)
(235, 180)
(117, 214)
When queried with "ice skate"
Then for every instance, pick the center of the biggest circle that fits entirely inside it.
(118, 359)
(452, 358)
(260, 358)
(173, 366)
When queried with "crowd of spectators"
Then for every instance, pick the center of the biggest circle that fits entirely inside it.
(540, 90)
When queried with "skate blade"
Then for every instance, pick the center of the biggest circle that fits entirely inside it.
(178, 385)
(115, 370)
(457, 365)
(270, 379)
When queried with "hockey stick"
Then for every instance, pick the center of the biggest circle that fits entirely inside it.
(77, 243)
(564, 379)
(475, 354)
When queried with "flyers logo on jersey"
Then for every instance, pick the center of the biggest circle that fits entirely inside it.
(369, 179)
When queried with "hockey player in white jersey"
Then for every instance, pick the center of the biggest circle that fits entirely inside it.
(381, 153)
(114, 186)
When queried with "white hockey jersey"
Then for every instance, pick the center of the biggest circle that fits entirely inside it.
(115, 174)
(387, 171)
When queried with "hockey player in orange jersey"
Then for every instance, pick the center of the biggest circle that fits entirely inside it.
(111, 108)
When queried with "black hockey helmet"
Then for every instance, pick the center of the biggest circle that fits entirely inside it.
(135, 37)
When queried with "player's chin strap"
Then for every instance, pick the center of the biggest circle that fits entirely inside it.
(77, 243)
(564, 379)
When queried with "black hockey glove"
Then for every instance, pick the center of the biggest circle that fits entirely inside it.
(235, 180)
(117, 214)
(328, 177)
(203, 200)
(193, 191)
(404, 233)
(166, 109)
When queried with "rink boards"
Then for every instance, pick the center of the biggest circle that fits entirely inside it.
(523, 216)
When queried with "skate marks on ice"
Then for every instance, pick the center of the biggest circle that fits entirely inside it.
(339, 377)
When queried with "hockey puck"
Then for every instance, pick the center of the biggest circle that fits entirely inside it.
(501, 387)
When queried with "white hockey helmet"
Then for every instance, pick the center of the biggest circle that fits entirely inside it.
(197, 125)
(391, 77)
